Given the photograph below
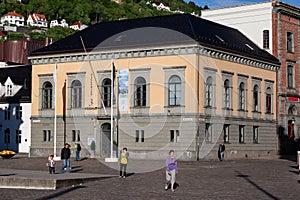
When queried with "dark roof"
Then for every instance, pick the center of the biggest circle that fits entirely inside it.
(169, 29)
(20, 75)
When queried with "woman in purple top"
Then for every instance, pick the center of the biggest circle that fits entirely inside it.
(171, 170)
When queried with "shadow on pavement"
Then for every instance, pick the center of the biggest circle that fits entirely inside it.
(246, 177)
(57, 194)
(7, 174)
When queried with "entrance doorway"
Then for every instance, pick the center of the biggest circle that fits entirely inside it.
(105, 140)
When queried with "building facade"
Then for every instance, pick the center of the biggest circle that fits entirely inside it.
(187, 90)
(12, 18)
(15, 108)
(275, 27)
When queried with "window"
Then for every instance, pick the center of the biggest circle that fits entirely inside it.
(46, 135)
(255, 134)
(290, 42)
(7, 113)
(268, 100)
(18, 136)
(242, 96)
(139, 136)
(255, 98)
(174, 136)
(8, 90)
(140, 92)
(208, 132)
(226, 133)
(290, 76)
(226, 94)
(75, 135)
(47, 95)
(106, 92)
(266, 41)
(7, 136)
(174, 91)
(242, 134)
(18, 112)
(76, 94)
(208, 92)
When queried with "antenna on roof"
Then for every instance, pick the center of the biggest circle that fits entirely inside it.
(93, 73)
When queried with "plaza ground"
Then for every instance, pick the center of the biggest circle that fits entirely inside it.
(230, 179)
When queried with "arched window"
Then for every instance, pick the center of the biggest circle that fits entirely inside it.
(255, 98)
(226, 94)
(47, 95)
(106, 84)
(268, 100)
(140, 92)
(242, 96)
(208, 92)
(174, 91)
(76, 94)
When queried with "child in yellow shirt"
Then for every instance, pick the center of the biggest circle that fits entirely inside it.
(123, 160)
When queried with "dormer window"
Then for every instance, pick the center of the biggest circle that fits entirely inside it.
(8, 90)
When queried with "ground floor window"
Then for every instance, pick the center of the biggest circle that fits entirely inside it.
(76, 135)
(208, 132)
(139, 136)
(255, 134)
(226, 133)
(46, 135)
(174, 136)
(18, 136)
(242, 134)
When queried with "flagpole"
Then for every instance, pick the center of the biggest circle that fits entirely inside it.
(54, 140)
(111, 109)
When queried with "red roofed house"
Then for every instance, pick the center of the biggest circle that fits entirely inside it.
(78, 26)
(12, 18)
(38, 20)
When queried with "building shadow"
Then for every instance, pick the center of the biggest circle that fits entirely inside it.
(58, 194)
(247, 178)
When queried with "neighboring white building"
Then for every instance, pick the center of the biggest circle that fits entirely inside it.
(78, 26)
(15, 108)
(251, 19)
(12, 18)
(59, 22)
(38, 20)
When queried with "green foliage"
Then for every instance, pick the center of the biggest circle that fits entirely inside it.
(14, 36)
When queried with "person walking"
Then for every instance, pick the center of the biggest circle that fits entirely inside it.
(77, 149)
(51, 164)
(65, 156)
(123, 160)
(171, 170)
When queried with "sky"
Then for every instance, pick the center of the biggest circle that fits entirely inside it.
(225, 3)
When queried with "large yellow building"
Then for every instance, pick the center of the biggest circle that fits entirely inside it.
(180, 82)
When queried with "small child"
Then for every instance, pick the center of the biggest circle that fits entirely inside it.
(51, 164)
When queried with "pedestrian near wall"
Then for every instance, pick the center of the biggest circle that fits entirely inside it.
(171, 170)
(221, 152)
(77, 149)
(123, 160)
(65, 156)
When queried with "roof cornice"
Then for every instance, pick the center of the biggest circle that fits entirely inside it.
(153, 52)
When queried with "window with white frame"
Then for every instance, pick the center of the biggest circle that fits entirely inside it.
(140, 136)
(106, 84)
(75, 135)
(9, 90)
(18, 136)
(242, 98)
(76, 94)
(47, 95)
(18, 112)
(140, 95)
(269, 100)
(226, 94)
(46, 135)
(208, 92)
(174, 136)
(255, 98)
(174, 91)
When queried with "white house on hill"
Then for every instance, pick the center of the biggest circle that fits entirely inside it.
(59, 22)
(38, 20)
(12, 18)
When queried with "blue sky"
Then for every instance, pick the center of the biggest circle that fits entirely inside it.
(223, 3)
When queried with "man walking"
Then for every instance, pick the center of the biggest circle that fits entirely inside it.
(65, 156)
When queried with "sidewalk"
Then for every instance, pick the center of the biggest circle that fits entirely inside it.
(230, 179)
